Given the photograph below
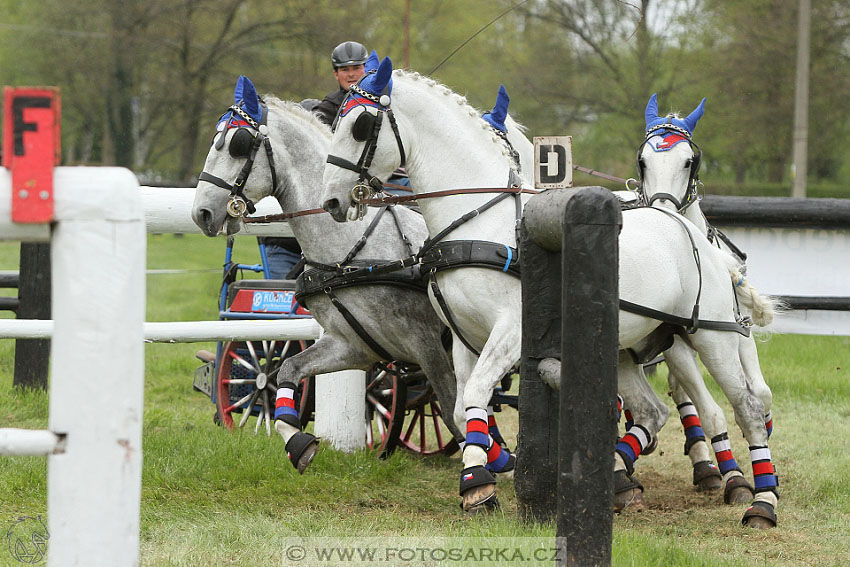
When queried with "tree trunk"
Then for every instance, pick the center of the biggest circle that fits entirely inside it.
(119, 111)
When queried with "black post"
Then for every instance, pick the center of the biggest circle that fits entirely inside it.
(588, 418)
(32, 356)
(536, 477)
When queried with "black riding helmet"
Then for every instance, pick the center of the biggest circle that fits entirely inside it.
(348, 53)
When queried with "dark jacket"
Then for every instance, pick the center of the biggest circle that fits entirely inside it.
(327, 109)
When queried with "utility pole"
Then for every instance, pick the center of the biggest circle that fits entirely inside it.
(407, 34)
(801, 101)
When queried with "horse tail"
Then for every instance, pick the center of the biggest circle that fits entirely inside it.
(762, 308)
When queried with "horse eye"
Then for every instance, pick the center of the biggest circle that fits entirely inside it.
(688, 163)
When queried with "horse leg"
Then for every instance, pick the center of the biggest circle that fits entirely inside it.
(719, 353)
(683, 361)
(482, 456)
(441, 376)
(683, 369)
(329, 354)
(648, 416)
(493, 429)
(752, 368)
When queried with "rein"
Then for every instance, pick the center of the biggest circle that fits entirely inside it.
(385, 199)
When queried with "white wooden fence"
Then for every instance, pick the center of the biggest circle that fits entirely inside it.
(94, 438)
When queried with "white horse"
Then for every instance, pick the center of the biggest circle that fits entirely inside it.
(668, 165)
(399, 319)
(684, 376)
(432, 136)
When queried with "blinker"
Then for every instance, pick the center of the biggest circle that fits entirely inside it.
(363, 126)
(241, 143)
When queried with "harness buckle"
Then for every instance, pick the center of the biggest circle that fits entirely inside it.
(237, 207)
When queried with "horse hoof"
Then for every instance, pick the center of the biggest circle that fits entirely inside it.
(301, 448)
(737, 491)
(627, 492)
(477, 490)
(707, 477)
(759, 516)
(480, 500)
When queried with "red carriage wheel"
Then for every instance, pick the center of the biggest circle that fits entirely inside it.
(245, 381)
(386, 400)
(424, 431)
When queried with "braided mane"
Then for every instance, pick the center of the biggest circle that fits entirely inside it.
(466, 108)
(298, 112)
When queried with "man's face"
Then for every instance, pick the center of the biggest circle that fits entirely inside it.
(348, 75)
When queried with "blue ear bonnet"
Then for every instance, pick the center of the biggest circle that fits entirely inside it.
(372, 62)
(375, 82)
(682, 125)
(244, 96)
(496, 117)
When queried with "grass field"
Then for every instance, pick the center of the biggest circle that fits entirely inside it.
(213, 498)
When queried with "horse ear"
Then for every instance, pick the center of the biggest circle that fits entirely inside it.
(651, 113)
(372, 62)
(240, 87)
(500, 110)
(693, 117)
(252, 100)
(383, 76)
(496, 117)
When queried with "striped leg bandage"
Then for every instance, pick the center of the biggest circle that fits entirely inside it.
(477, 433)
(284, 406)
(691, 423)
(632, 444)
(723, 451)
(764, 475)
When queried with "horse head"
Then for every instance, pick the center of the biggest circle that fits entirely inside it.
(668, 160)
(239, 169)
(366, 146)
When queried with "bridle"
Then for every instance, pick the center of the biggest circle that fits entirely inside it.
(692, 193)
(243, 144)
(366, 128)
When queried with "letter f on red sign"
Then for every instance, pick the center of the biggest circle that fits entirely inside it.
(31, 149)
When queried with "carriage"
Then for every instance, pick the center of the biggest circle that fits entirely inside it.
(401, 407)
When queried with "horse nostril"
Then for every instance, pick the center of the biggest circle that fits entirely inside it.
(205, 221)
(331, 205)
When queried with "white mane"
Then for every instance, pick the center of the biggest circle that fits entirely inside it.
(466, 110)
(297, 111)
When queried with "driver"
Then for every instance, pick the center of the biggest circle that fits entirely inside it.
(347, 59)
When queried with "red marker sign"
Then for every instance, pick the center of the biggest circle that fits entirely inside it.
(31, 149)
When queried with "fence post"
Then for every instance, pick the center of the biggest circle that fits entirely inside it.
(583, 224)
(536, 477)
(32, 356)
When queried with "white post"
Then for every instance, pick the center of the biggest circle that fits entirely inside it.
(341, 409)
(97, 369)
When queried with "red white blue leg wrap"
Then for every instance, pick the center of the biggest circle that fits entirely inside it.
(723, 451)
(477, 433)
(284, 407)
(764, 475)
(632, 444)
(691, 423)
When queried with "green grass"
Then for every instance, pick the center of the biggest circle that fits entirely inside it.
(211, 497)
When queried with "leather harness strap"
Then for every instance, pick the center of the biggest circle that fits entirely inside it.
(358, 328)
(691, 325)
